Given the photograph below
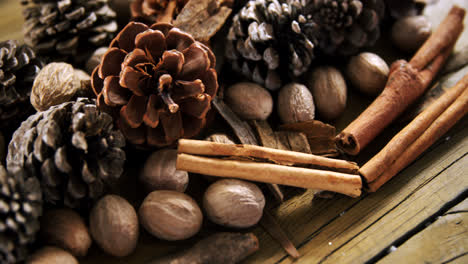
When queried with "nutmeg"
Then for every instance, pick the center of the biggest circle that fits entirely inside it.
(409, 33)
(159, 172)
(170, 215)
(368, 72)
(113, 224)
(51, 255)
(234, 203)
(329, 90)
(249, 100)
(66, 229)
(295, 104)
(56, 83)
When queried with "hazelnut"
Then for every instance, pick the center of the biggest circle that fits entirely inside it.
(295, 104)
(329, 90)
(56, 83)
(249, 100)
(51, 255)
(234, 203)
(113, 224)
(170, 215)
(159, 172)
(409, 33)
(66, 229)
(368, 72)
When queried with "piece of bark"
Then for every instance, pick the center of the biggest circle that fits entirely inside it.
(202, 18)
(444, 84)
(297, 142)
(268, 222)
(226, 248)
(417, 136)
(321, 136)
(266, 135)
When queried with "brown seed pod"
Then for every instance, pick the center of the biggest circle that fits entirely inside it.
(249, 100)
(66, 229)
(113, 224)
(234, 203)
(159, 172)
(368, 72)
(51, 255)
(295, 104)
(170, 215)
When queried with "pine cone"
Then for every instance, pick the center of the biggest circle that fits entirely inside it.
(73, 149)
(151, 11)
(65, 29)
(271, 39)
(347, 25)
(158, 82)
(18, 68)
(20, 208)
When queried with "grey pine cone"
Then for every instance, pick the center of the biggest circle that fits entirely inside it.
(62, 30)
(73, 149)
(20, 208)
(18, 68)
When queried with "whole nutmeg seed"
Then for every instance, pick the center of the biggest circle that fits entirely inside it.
(170, 215)
(249, 100)
(51, 255)
(159, 172)
(329, 90)
(295, 104)
(113, 224)
(409, 33)
(56, 83)
(66, 229)
(368, 72)
(234, 203)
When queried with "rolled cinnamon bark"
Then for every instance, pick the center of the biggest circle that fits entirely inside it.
(348, 184)
(439, 127)
(406, 82)
(393, 150)
(285, 157)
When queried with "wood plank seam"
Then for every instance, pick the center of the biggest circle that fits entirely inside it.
(454, 258)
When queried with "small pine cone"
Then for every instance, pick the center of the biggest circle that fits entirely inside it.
(18, 68)
(158, 82)
(66, 29)
(151, 11)
(347, 25)
(271, 39)
(73, 149)
(20, 208)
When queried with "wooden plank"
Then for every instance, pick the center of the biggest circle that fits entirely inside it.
(461, 207)
(443, 241)
(381, 218)
(11, 22)
(340, 219)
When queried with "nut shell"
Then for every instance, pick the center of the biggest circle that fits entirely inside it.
(409, 33)
(295, 104)
(329, 90)
(159, 172)
(66, 229)
(249, 100)
(368, 72)
(170, 215)
(51, 255)
(234, 203)
(114, 225)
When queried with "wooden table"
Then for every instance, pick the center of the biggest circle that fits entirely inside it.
(420, 216)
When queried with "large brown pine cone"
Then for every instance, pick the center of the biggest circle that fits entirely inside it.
(158, 81)
(20, 208)
(73, 149)
(67, 29)
(151, 11)
(18, 68)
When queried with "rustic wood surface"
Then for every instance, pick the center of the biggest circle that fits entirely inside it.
(420, 216)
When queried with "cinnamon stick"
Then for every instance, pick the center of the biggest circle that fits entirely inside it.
(344, 183)
(284, 157)
(417, 136)
(406, 82)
